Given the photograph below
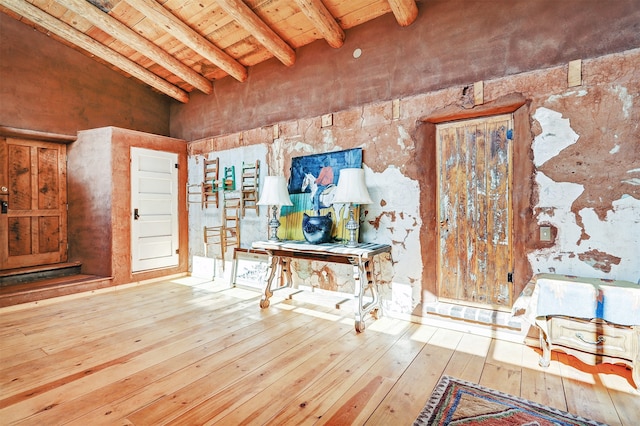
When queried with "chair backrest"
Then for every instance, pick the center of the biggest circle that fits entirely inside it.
(231, 218)
(249, 181)
(211, 170)
(211, 173)
(229, 180)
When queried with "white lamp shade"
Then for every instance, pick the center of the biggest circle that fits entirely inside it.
(351, 187)
(274, 192)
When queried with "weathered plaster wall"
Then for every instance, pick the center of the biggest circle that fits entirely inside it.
(578, 159)
(251, 224)
(47, 86)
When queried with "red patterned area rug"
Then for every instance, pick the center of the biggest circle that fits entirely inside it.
(457, 402)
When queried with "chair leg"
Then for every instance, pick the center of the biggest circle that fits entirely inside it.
(223, 243)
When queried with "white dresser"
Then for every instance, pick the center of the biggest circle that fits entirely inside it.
(594, 320)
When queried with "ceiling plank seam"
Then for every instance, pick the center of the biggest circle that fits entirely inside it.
(181, 31)
(244, 16)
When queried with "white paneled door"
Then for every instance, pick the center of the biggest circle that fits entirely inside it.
(154, 208)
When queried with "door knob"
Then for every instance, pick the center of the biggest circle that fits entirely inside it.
(136, 216)
(5, 207)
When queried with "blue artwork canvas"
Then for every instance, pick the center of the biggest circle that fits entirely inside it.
(312, 186)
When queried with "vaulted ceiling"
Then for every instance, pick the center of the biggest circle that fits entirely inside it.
(177, 46)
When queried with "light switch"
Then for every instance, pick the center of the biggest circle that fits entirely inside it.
(545, 233)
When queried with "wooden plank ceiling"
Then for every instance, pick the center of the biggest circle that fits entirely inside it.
(177, 46)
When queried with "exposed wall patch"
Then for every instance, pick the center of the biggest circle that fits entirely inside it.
(401, 225)
(625, 98)
(556, 135)
(586, 245)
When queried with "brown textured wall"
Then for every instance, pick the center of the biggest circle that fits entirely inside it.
(452, 42)
(90, 201)
(100, 201)
(47, 86)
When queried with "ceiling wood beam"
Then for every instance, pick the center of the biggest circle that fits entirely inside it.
(121, 32)
(178, 29)
(90, 45)
(405, 11)
(323, 20)
(251, 22)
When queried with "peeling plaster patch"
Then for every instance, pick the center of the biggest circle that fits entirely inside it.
(328, 138)
(618, 235)
(399, 227)
(578, 94)
(403, 136)
(612, 249)
(625, 98)
(401, 295)
(633, 180)
(302, 147)
(599, 260)
(615, 149)
(556, 135)
(560, 195)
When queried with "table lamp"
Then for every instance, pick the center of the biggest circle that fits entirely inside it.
(274, 193)
(352, 190)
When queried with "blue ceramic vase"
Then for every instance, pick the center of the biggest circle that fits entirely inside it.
(317, 229)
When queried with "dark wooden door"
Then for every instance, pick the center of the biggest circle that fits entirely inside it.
(33, 184)
(474, 174)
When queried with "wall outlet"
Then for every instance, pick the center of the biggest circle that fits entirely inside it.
(545, 233)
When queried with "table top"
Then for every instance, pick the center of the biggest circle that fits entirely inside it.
(364, 250)
(615, 301)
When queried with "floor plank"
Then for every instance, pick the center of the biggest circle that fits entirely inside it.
(195, 352)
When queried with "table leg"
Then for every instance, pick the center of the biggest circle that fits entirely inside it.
(277, 265)
(545, 344)
(285, 272)
(273, 262)
(363, 271)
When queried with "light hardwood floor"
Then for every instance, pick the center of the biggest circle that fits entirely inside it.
(179, 352)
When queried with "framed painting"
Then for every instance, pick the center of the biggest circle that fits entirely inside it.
(312, 186)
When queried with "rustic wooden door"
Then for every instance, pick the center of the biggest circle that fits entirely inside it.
(154, 203)
(33, 193)
(474, 175)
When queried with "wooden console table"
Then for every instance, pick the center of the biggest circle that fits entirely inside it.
(361, 258)
(594, 320)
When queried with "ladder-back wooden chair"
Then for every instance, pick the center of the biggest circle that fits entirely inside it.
(249, 181)
(210, 193)
(227, 234)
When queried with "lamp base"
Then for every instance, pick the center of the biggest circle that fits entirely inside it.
(352, 226)
(274, 224)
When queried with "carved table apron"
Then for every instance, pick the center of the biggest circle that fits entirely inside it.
(361, 258)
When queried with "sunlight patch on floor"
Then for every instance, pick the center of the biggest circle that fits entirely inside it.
(386, 325)
(423, 334)
(323, 315)
(240, 293)
(191, 281)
